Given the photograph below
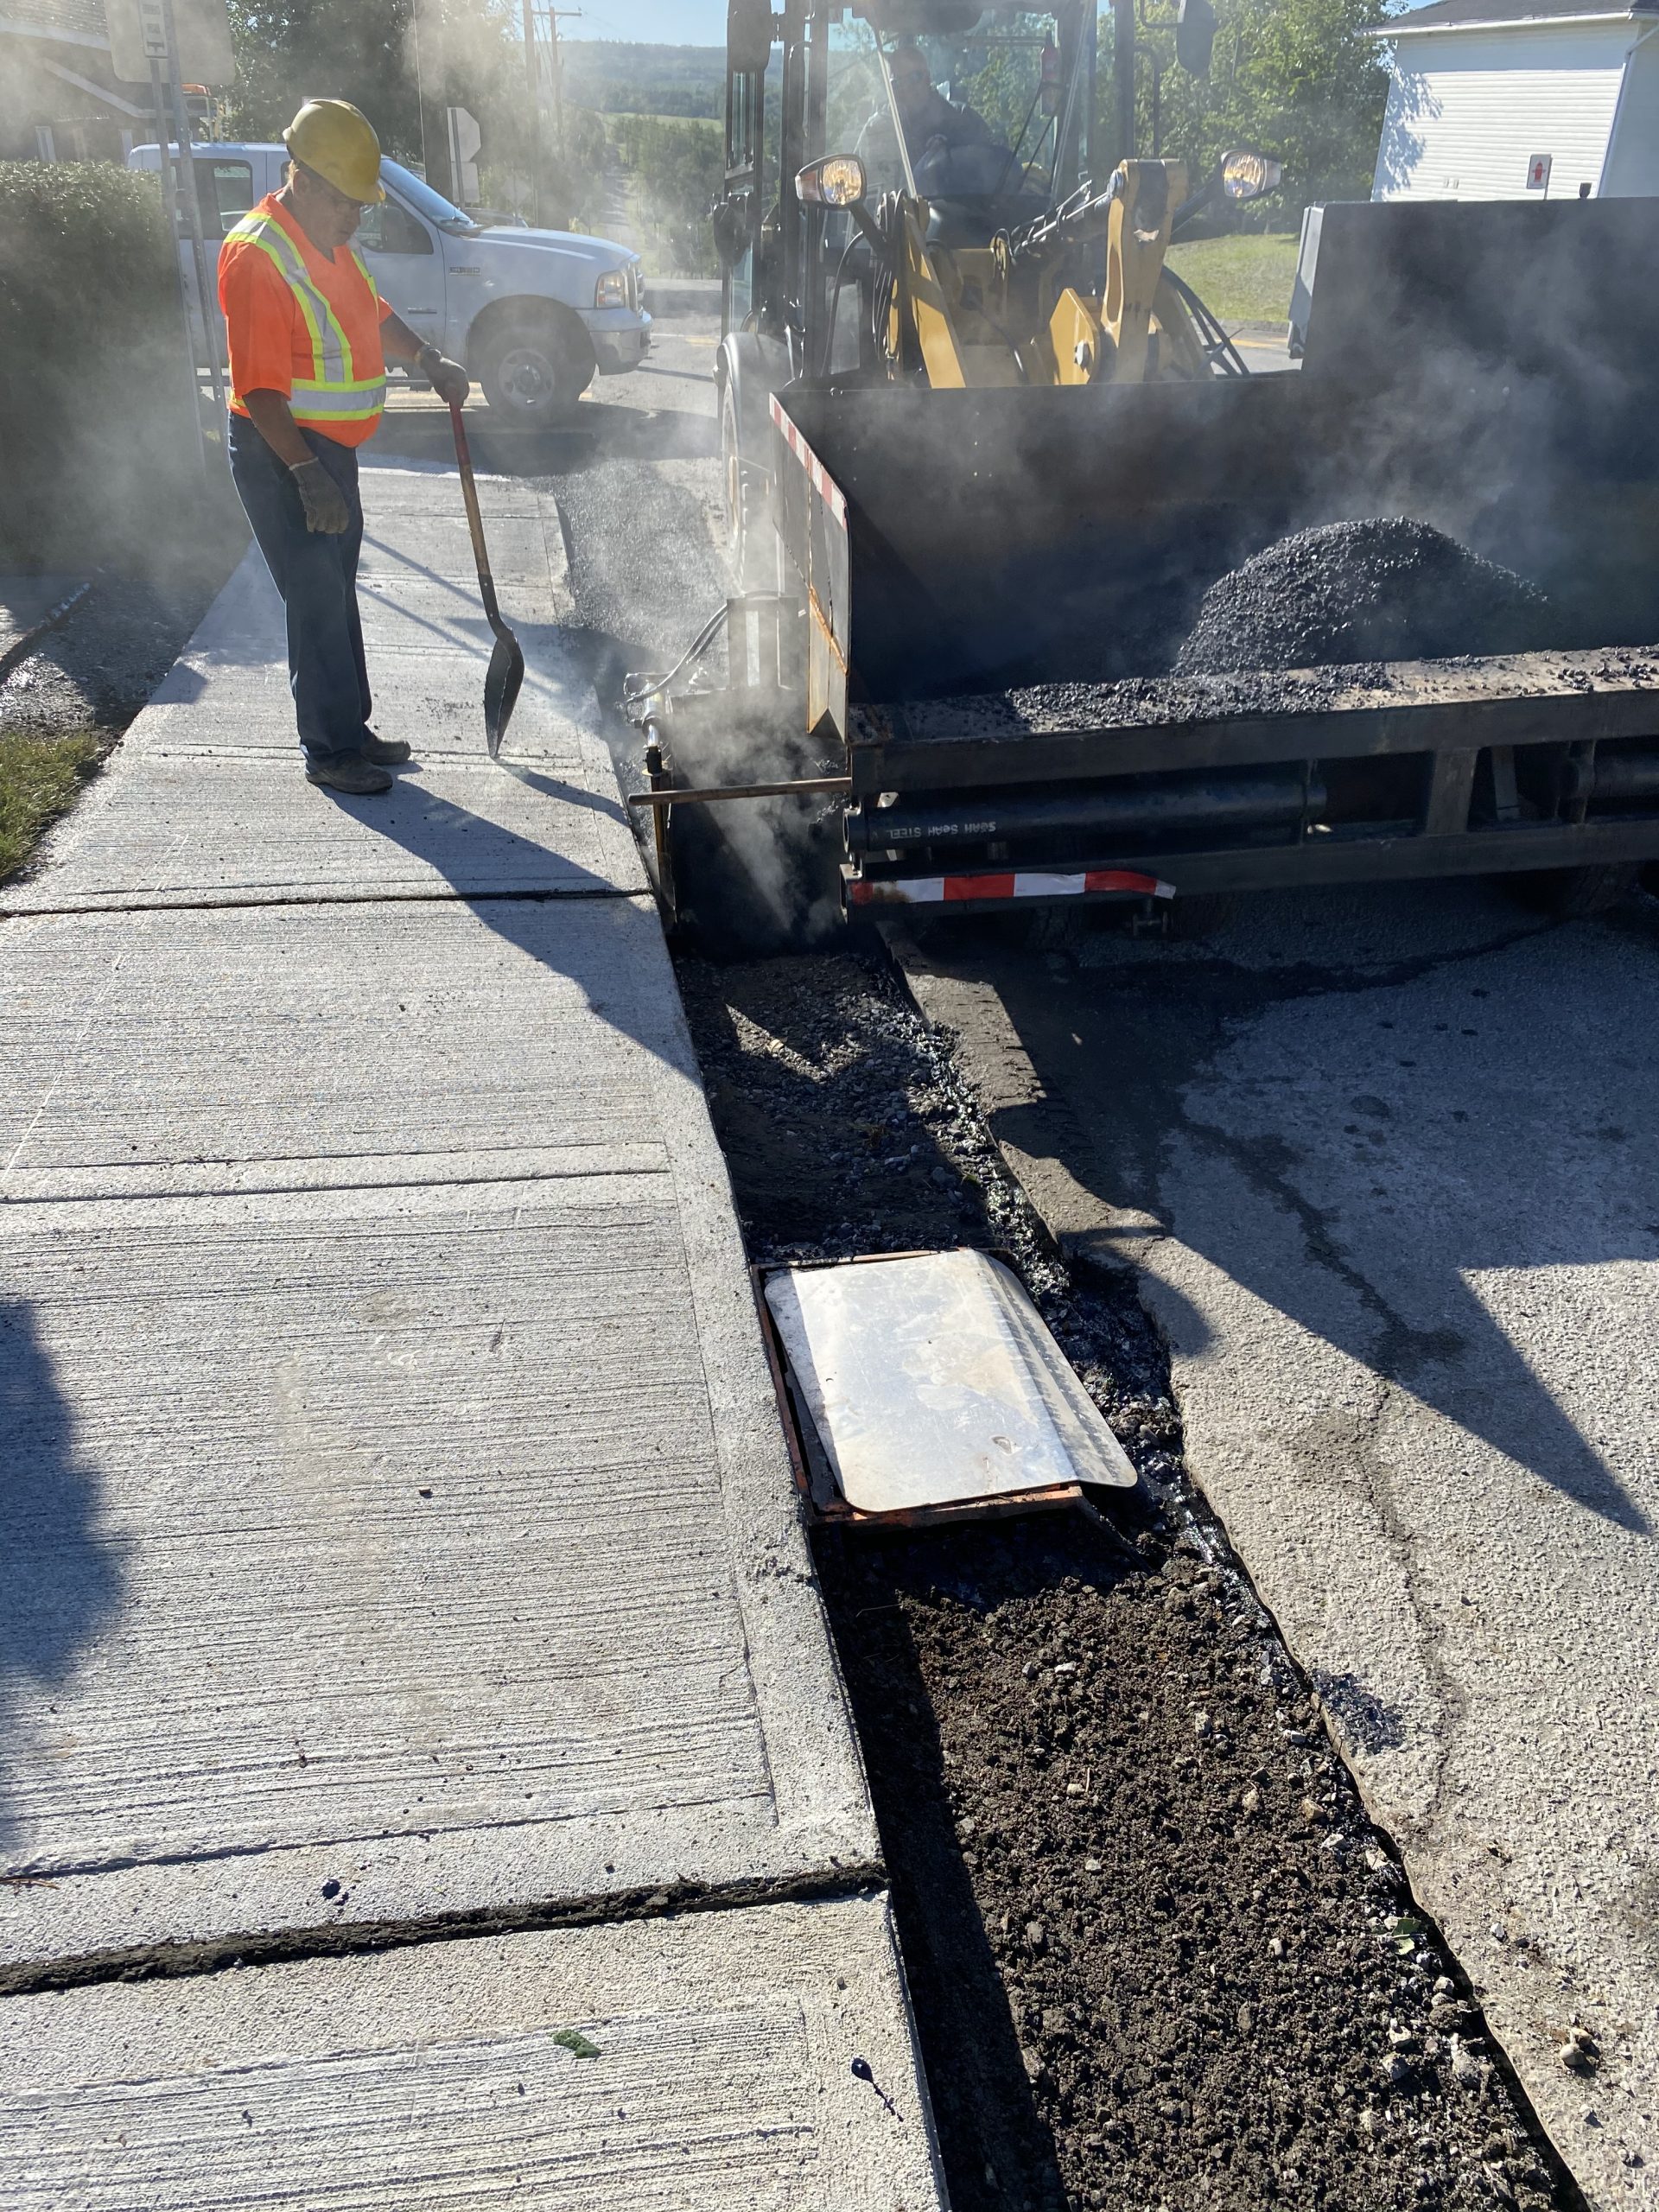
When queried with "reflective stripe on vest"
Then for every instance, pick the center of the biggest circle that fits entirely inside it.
(332, 393)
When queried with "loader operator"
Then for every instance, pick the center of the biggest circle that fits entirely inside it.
(951, 149)
(309, 337)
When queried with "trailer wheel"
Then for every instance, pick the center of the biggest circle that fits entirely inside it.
(1195, 916)
(1574, 895)
(1060, 928)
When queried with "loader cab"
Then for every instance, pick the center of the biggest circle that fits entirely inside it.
(998, 130)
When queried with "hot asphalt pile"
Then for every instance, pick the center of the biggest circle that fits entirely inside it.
(1159, 1956)
(1358, 591)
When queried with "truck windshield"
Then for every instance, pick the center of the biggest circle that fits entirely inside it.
(992, 115)
(421, 196)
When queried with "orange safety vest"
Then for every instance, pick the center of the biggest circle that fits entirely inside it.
(328, 359)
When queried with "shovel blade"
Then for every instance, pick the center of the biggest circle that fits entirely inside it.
(501, 687)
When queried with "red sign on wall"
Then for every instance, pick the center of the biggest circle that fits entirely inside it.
(1538, 173)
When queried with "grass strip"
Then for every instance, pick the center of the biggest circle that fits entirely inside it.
(1243, 279)
(41, 777)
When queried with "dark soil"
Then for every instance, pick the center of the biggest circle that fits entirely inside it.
(1359, 591)
(1158, 1955)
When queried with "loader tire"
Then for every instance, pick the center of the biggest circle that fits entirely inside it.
(1574, 894)
(749, 537)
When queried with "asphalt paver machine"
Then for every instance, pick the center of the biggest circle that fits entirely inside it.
(984, 452)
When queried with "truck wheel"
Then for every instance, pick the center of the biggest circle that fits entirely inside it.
(535, 366)
(1574, 895)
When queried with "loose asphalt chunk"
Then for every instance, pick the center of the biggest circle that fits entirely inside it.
(1385, 590)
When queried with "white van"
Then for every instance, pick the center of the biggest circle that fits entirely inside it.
(532, 314)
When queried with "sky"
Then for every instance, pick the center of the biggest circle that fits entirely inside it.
(664, 23)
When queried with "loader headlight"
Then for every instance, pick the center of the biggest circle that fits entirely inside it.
(1245, 175)
(836, 181)
(612, 289)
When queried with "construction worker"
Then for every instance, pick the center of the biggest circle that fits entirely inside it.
(951, 148)
(309, 337)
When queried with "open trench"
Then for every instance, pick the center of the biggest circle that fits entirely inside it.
(1158, 1955)
(1157, 1952)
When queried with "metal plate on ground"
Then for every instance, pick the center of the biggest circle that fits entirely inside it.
(931, 1381)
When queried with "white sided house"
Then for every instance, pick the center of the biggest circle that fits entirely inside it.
(1500, 99)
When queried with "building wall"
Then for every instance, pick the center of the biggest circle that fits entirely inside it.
(1632, 171)
(1468, 109)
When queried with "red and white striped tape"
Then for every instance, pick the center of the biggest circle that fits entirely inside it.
(822, 482)
(1021, 883)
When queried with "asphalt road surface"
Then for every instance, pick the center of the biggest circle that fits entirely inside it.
(1383, 1163)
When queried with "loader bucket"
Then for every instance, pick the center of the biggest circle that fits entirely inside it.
(975, 541)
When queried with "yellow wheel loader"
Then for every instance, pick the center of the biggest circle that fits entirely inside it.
(984, 454)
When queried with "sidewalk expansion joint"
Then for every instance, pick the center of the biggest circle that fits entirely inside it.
(435, 1180)
(179, 1961)
(423, 894)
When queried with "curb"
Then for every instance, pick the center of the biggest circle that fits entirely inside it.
(19, 648)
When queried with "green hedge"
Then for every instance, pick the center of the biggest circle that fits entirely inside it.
(94, 389)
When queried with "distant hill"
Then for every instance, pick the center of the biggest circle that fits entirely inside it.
(620, 78)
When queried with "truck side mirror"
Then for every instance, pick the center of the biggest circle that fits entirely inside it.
(748, 36)
(1195, 36)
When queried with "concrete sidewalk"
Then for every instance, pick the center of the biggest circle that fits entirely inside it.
(402, 1541)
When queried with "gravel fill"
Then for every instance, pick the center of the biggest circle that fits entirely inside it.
(1359, 591)
(1158, 1955)
(98, 667)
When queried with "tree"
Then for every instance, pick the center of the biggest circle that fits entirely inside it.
(290, 50)
(1295, 78)
(366, 52)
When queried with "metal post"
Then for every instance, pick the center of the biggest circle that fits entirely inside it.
(1123, 76)
(191, 208)
(532, 70)
(434, 124)
(170, 216)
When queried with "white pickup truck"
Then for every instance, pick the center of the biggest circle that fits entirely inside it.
(532, 314)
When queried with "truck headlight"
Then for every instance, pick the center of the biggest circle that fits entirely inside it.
(612, 289)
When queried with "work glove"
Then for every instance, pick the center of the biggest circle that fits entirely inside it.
(446, 378)
(325, 502)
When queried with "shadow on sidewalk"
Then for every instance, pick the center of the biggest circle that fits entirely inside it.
(623, 929)
(61, 1582)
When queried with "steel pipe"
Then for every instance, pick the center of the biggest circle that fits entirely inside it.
(1164, 803)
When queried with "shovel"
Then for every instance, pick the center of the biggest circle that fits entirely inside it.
(506, 670)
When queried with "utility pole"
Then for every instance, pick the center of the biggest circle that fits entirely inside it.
(434, 124)
(555, 65)
(169, 213)
(533, 71)
(1123, 76)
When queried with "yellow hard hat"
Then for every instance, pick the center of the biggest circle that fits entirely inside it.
(337, 140)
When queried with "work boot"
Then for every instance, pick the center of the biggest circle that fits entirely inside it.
(348, 772)
(387, 752)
